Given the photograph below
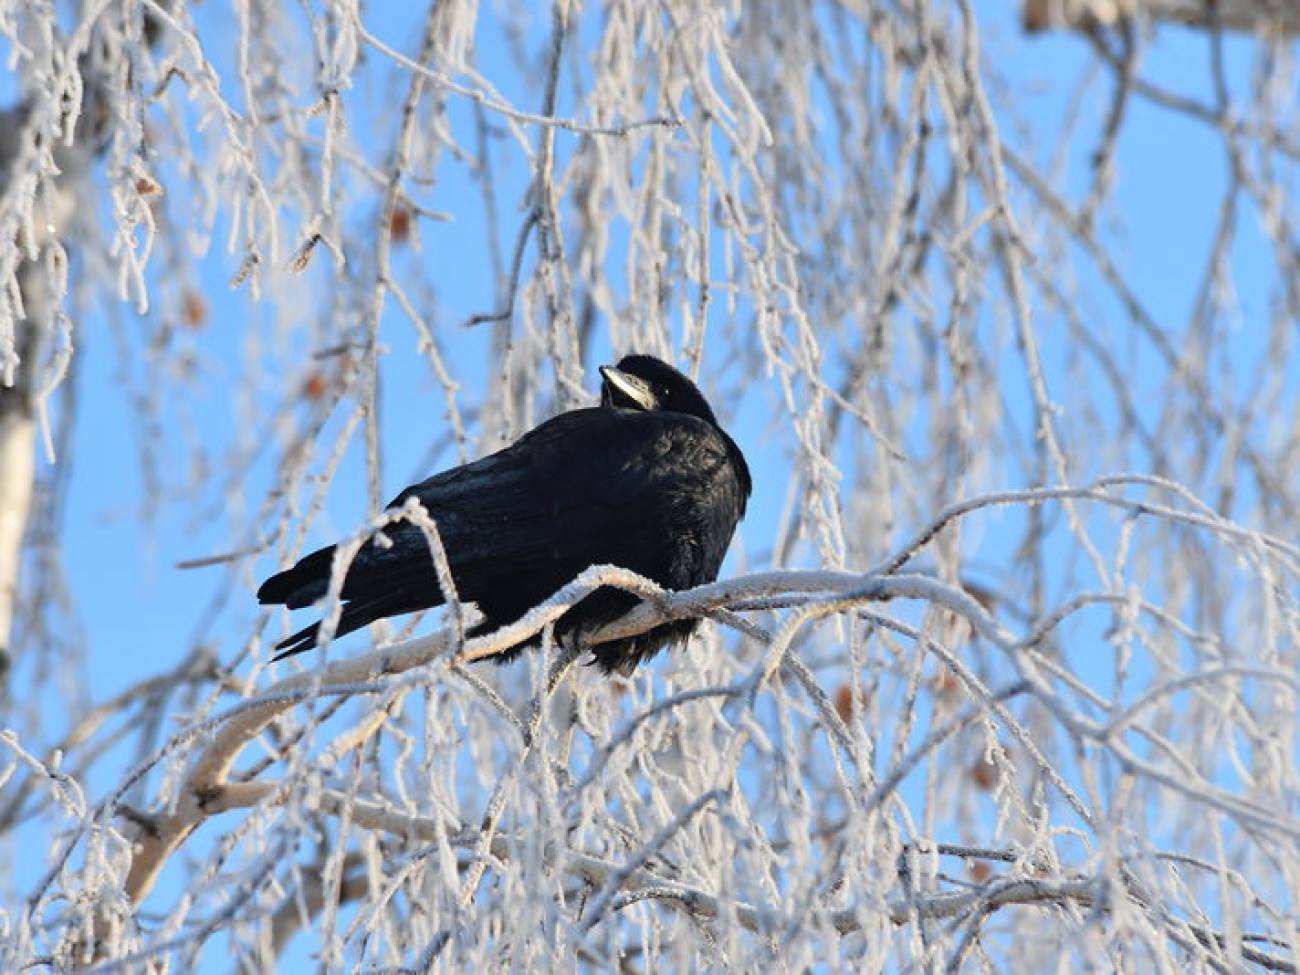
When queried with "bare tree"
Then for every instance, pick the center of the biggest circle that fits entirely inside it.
(1004, 672)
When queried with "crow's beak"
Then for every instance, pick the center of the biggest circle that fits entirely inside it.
(624, 391)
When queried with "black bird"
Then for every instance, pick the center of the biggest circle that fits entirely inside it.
(646, 481)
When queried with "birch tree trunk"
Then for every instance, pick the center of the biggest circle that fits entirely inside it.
(17, 469)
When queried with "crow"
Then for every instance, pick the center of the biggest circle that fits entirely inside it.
(646, 481)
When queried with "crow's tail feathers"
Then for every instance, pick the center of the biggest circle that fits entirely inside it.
(299, 585)
(356, 614)
(300, 642)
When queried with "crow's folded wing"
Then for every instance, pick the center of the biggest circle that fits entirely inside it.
(589, 487)
(653, 492)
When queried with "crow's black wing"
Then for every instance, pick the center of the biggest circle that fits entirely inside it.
(654, 492)
(592, 486)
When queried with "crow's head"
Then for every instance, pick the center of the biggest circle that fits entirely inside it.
(642, 382)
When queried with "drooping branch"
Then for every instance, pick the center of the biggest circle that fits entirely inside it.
(1254, 16)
